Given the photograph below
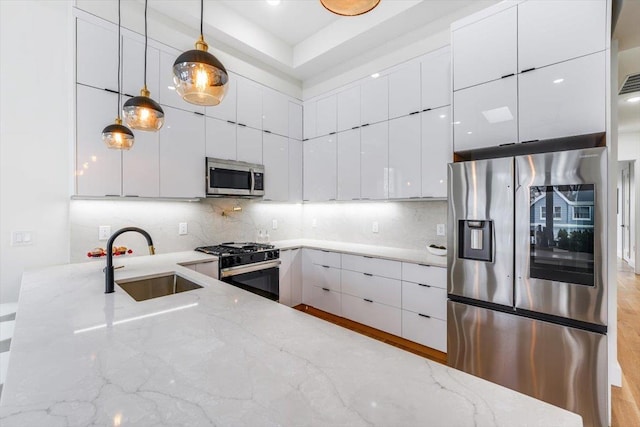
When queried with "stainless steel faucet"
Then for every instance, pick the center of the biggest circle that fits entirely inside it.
(108, 272)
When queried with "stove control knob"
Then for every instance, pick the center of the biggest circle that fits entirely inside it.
(238, 260)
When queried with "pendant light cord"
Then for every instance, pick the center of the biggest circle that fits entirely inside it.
(118, 59)
(145, 43)
(201, 16)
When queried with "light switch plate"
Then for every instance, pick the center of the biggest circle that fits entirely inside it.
(274, 224)
(104, 231)
(183, 229)
(440, 230)
(374, 227)
(314, 223)
(21, 238)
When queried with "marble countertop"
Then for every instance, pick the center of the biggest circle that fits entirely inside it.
(395, 254)
(222, 356)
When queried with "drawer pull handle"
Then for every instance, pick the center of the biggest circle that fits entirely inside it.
(326, 289)
(507, 75)
(368, 274)
(326, 266)
(322, 250)
(367, 256)
(424, 315)
(367, 300)
(527, 70)
(424, 285)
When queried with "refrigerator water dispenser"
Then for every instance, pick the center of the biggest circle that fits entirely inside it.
(475, 240)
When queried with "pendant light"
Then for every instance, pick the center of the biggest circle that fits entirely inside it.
(142, 112)
(117, 136)
(349, 7)
(198, 75)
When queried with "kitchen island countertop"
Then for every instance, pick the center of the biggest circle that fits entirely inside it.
(222, 356)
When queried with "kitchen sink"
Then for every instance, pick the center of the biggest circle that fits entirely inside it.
(154, 287)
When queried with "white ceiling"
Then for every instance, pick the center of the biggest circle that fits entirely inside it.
(300, 37)
(628, 35)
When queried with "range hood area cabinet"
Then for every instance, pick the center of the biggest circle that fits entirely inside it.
(546, 77)
(383, 137)
(171, 163)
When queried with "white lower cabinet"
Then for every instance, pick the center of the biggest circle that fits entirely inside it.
(208, 268)
(424, 330)
(374, 266)
(320, 257)
(425, 299)
(323, 276)
(371, 313)
(379, 289)
(290, 292)
(326, 300)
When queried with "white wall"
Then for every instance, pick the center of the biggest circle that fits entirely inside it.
(629, 150)
(35, 136)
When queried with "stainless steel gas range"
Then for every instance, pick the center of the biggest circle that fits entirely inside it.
(253, 267)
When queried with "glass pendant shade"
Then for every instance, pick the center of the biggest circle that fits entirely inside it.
(199, 77)
(349, 7)
(117, 136)
(143, 113)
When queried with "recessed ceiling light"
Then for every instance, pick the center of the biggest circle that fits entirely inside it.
(375, 75)
(469, 133)
(171, 87)
(456, 123)
(442, 116)
(634, 99)
(556, 81)
(273, 2)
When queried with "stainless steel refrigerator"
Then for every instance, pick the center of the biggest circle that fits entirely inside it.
(527, 283)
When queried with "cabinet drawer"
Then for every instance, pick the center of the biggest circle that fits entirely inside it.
(424, 274)
(326, 300)
(379, 289)
(424, 299)
(322, 276)
(375, 266)
(319, 257)
(379, 316)
(424, 330)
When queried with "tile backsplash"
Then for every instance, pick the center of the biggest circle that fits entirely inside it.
(400, 224)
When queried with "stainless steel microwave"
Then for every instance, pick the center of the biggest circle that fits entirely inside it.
(233, 178)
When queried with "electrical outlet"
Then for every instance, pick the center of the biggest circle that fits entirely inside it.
(21, 238)
(104, 232)
(314, 223)
(374, 227)
(440, 230)
(182, 229)
(274, 224)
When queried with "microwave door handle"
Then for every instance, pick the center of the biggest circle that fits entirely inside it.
(253, 180)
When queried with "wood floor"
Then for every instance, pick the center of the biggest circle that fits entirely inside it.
(625, 400)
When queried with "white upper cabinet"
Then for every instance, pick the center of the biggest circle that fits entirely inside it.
(133, 67)
(249, 101)
(141, 166)
(374, 161)
(97, 167)
(404, 90)
(182, 149)
(295, 121)
(436, 79)
(485, 50)
(226, 110)
(97, 55)
(437, 151)
(276, 167)
(220, 139)
(295, 170)
(552, 31)
(309, 120)
(320, 168)
(167, 93)
(249, 144)
(563, 99)
(374, 100)
(275, 112)
(486, 115)
(326, 115)
(349, 165)
(349, 108)
(404, 157)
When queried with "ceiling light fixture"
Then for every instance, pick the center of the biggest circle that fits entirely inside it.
(142, 112)
(117, 136)
(634, 99)
(198, 75)
(349, 7)
(556, 81)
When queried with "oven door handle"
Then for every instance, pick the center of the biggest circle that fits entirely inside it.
(253, 180)
(249, 268)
